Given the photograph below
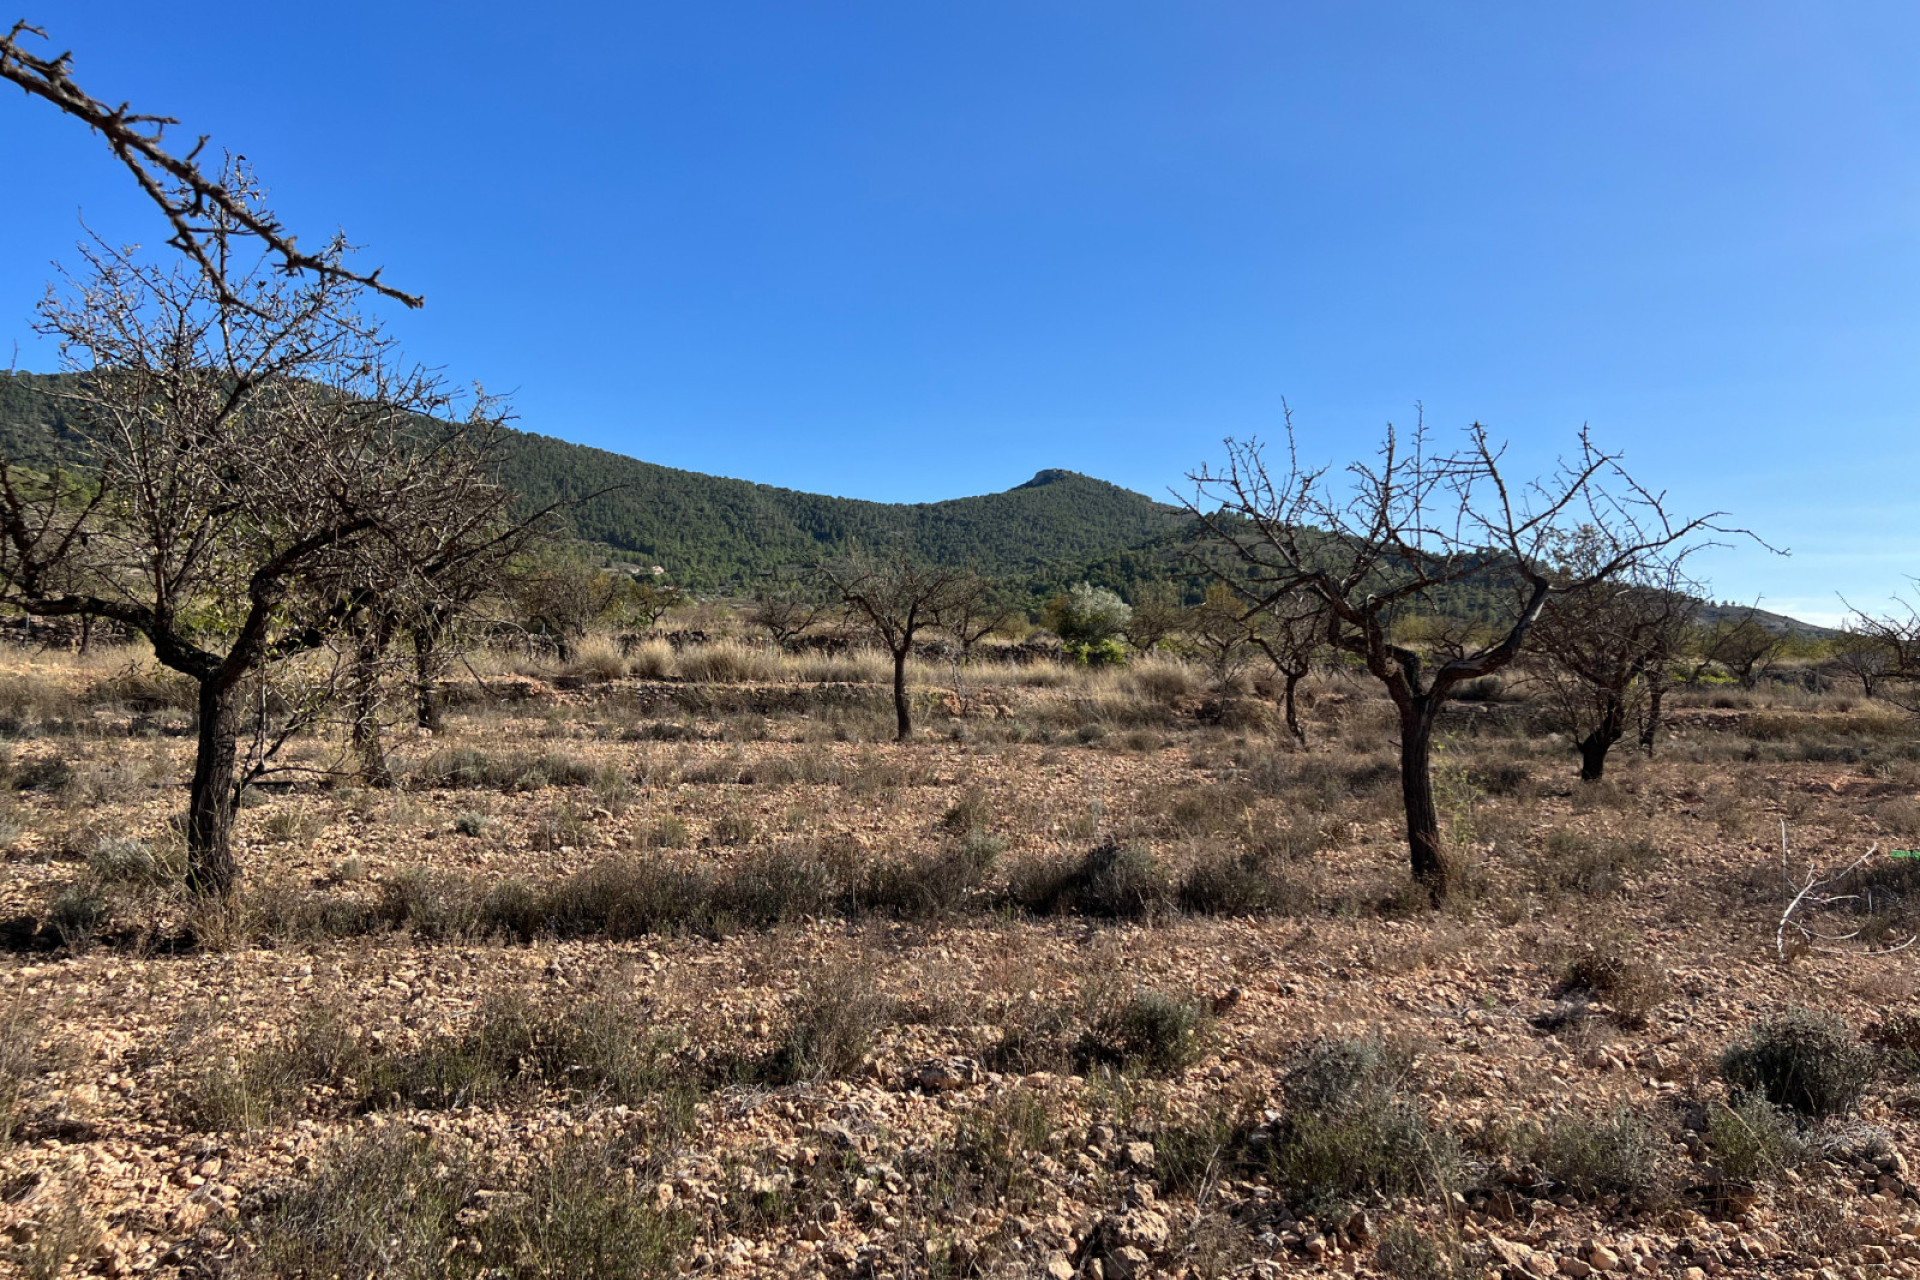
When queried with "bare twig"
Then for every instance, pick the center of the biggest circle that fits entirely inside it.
(190, 198)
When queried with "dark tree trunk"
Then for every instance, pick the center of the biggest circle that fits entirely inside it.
(1424, 847)
(1293, 709)
(902, 712)
(1594, 747)
(1593, 755)
(426, 679)
(1650, 728)
(363, 699)
(211, 869)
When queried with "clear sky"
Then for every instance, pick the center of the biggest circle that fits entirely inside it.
(913, 251)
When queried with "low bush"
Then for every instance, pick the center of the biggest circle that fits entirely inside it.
(729, 662)
(1616, 1155)
(932, 884)
(396, 1204)
(969, 813)
(1147, 1029)
(1800, 1061)
(21, 1060)
(1235, 883)
(43, 773)
(457, 768)
(1752, 1139)
(1113, 880)
(829, 1028)
(1409, 1252)
(77, 913)
(1618, 971)
(1351, 1125)
(1572, 863)
(588, 1047)
(125, 860)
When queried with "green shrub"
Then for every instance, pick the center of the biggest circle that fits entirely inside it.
(1615, 1155)
(124, 860)
(1800, 1061)
(1571, 863)
(395, 1204)
(586, 1047)
(456, 768)
(1351, 1126)
(1152, 1030)
(930, 884)
(1088, 618)
(1752, 1139)
(1407, 1252)
(829, 1027)
(47, 773)
(77, 913)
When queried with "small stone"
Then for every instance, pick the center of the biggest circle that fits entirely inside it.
(1603, 1259)
(1572, 1266)
(1058, 1268)
(1139, 1155)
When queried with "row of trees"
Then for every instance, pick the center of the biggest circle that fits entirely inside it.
(268, 479)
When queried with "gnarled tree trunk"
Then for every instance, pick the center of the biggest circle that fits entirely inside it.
(1424, 845)
(211, 869)
(1594, 747)
(427, 709)
(902, 710)
(1293, 708)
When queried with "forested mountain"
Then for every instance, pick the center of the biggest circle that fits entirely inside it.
(713, 533)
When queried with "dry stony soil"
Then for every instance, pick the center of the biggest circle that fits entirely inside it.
(644, 979)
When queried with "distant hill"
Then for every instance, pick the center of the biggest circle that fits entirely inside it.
(713, 533)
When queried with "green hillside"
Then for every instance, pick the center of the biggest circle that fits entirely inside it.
(712, 533)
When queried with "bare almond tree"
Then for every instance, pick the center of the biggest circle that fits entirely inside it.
(895, 598)
(1742, 646)
(1291, 631)
(1219, 632)
(787, 611)
(973, 610)
(1411, 529)
(259, 462)
(1602, 645)
(1897, 635)
(1867, 654)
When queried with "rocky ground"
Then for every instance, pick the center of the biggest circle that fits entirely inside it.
(1070, 986)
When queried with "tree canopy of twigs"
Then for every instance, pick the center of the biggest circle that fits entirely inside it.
(264, 472)
(1605, 648)
(1408, 527)
(1291, 631)
(203, 209)
(895, 597)
(1883, 651)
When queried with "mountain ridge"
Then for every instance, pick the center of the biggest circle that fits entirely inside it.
(719, 533)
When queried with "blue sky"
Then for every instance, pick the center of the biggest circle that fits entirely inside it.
(909, 252)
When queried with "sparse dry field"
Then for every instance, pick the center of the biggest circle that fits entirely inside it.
(648, 976)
